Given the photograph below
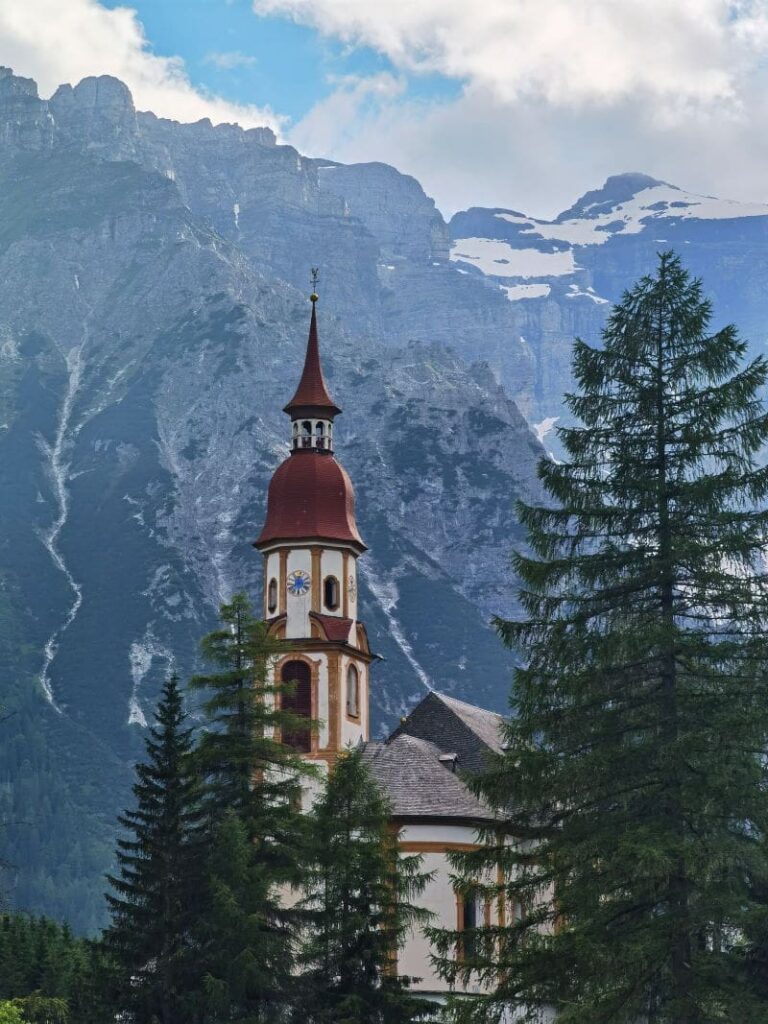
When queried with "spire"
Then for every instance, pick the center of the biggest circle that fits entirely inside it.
(312, 392)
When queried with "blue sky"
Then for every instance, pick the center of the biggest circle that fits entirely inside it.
(275, 61)
(523, 104)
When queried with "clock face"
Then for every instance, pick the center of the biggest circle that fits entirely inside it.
(298, 583)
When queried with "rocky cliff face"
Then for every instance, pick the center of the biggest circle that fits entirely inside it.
(153, 317)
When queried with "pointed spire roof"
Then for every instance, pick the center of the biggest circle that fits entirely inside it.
(312, 392)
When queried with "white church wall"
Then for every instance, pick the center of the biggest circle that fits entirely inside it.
(313, 787)
(439, 897)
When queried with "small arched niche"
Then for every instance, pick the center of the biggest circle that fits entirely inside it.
(331, 593)
(353, 692)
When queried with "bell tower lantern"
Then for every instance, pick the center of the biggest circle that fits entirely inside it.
(310, 544)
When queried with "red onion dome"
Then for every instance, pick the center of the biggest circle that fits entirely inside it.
(310, 497)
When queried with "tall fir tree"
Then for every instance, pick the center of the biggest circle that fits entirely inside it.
(359, 907)
(253, 796)
(156, 895)
(632, 790)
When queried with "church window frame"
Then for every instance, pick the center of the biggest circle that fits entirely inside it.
(300, 700)
(331, 593)
(468, 921)
(353, 691)
(272, 596)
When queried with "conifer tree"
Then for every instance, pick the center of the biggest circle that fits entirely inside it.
(358, 905)
(155, 896)
(631, 793)
(95, 990)
(253, 790)
(48, 974)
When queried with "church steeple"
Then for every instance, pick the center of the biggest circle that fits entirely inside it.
(312, 398)
(310, 543)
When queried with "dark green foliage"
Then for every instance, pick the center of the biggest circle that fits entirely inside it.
(156, 897)
(245, 766)
(37, 955)
(51, 977)
(358, 907)
(634, 777)
(37, 1009)
(246, 935)
(253, 785)
(55, 840)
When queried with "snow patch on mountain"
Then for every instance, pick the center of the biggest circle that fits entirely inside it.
(542, 429)
(141, 655)
(574, 292)
(515, 292)
(631, 216)
(56, 454)
(499, 259)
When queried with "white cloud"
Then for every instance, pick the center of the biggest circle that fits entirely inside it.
(335, 122)
(567, 51)
(552, 103)
(55, 41)
(536, 158)
(228, 60)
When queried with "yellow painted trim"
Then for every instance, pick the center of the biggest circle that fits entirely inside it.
(334, 701)
(417, 846)
(502, 911)
(316, 579)
(281, 597)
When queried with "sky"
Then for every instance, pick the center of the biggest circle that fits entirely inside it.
(520, 104)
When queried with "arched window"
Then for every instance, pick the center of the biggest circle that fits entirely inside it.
(331, 592)
(468, 921)
(297, 699)
(353, 692)
(320, 434)
(272, 595)
(306, 434)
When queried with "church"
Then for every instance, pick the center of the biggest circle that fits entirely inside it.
(310, 544)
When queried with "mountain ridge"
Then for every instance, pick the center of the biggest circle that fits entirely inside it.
(153, 317)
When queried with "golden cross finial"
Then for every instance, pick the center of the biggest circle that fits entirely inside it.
(314, 274)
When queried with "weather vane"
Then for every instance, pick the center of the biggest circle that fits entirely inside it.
(314, 274)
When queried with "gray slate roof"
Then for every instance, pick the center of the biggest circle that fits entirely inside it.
(470, 732)
(486, 725)
(418, 785)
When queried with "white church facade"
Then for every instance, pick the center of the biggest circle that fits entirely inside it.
(310, 545)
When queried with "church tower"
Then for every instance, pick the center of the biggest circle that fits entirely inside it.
(310, 544)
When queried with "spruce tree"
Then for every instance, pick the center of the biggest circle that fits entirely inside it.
(631, 793)
(359, 907)
(155, 897)
(253, 793)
